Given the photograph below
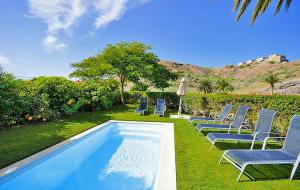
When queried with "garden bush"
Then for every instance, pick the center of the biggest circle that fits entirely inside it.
(132, 97)
(172, 99)
(45, 98)
(13, 102)
(65, 96)
(285, 105)
(100, 94)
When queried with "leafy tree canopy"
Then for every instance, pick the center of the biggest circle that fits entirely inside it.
(130, 61)
(140, 87)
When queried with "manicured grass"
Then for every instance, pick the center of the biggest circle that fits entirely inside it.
(197, 167)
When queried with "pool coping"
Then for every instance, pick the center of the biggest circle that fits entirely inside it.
(166, 174)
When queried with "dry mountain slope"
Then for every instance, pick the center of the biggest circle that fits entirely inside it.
(247, 78)
(184, 68)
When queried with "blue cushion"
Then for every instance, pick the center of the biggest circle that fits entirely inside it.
(225, 136)
(258, 156)
(213, 126)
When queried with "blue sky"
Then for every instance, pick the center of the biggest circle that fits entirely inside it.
(42, 38)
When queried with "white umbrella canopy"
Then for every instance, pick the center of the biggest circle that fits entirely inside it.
(181, 92)
(182, 87)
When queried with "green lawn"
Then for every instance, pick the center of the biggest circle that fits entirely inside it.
(197, 167)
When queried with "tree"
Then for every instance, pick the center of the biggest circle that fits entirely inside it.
(127, 61)
(205, 86)
(272, 79)
(92, 68)
(160, 76)
(223, 85)
(260, 8)
(140, 87)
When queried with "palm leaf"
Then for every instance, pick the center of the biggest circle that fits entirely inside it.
(257, 10)
(278, 7)
(265, 6)
(260, 8)
(236, 4)
(288, 4)
(243, 7)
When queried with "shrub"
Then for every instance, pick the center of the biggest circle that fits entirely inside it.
(13, 103)
(140, 87)
(285, 105)
(39, 108)
(45, 98)
(100, 94)
(64, 96)
(132, 97)
(172, 99)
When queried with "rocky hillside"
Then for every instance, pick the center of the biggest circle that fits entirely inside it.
(184, 68)
(247, 76)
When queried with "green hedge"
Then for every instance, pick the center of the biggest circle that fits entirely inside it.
(171, 98)
(285, 105)
(46, 98)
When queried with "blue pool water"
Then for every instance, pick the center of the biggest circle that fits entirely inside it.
(117, 156)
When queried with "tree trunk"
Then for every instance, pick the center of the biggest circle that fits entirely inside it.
(272, 89)
(122, 79)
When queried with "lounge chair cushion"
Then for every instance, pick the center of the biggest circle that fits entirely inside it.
(160, 109)
(201, 119)
(225, 136)
(140, 110)
(213, 126)
(241, 157)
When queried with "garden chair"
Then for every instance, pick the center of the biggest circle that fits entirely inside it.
(237, 122)
(160, 108)
(260, 134)
(143, 106)
(289, 154)
(221, 117)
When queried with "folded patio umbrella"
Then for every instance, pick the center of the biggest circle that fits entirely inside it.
(181, 92)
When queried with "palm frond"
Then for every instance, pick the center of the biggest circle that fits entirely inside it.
(278, 7)
(288, 4)
(260, 8)
(236, 4)
(257, 10)
(242, 9)
(265, 6)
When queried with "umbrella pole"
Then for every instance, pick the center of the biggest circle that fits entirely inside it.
(180, 104)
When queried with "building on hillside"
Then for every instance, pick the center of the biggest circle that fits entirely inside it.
(278, 58)
(249, 61)
(241, 63)
(260, 59)
(245, 62)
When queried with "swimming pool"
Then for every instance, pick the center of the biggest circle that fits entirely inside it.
(113, 155)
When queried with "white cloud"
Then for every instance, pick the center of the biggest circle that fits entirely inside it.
(112, 10)
(58, 14)
(109, 10)
(52, 43)
(5, 60)
(61, 15)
